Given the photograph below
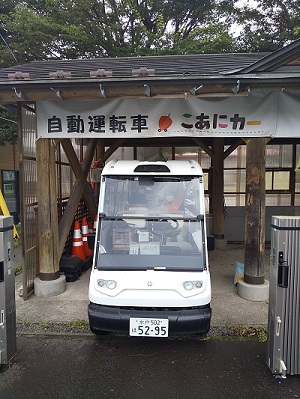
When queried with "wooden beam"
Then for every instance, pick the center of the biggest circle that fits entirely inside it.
(47, 210)
(204, 147)
(68, 216)
(30, 109)
(79, 171)
(88, 157)
(80, 189)
(112, 149)
(89, 90)
(233, 147)
(80, 185)
(72, 157)
(218, 188)
(100, 150)
(82, 172)
(255, 211)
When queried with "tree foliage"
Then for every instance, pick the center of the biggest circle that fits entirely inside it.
(66, 29)
(41, 29)
(8, 126)
(269, 26)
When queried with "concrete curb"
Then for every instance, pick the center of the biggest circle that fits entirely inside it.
(222, 332)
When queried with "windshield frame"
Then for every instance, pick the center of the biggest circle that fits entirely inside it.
(167, 259)
(148, 223)
(119, 193)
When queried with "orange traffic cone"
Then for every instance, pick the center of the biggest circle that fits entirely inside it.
(85, 233)
(91, 231)
(77, 245)
(95, 223)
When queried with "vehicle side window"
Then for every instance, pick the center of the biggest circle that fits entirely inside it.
(116, 196)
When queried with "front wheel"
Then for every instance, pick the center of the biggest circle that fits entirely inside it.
(280, 379)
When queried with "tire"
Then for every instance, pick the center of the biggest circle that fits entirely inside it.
(280, 379)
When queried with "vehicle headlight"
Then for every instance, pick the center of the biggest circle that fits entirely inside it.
(110, 284)
(190, 285)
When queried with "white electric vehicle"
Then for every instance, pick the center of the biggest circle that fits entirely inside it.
(150, 274)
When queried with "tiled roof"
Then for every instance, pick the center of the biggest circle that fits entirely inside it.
(286, 59)
(165, 66)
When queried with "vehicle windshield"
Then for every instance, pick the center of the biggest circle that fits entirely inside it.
(151, 223)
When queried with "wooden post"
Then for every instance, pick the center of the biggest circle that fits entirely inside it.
(218, 188)
(255, 211)
(82, 172)
(47, 210)
(100, 150)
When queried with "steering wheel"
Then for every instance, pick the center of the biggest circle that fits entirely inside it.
(166, 227)
(120, 223)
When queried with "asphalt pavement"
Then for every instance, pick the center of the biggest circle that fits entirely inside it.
(80, 367)
(58, 357)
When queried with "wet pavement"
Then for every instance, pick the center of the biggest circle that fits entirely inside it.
(73, 366)
(55, 361)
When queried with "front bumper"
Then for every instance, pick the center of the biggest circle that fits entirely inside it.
(181, 321)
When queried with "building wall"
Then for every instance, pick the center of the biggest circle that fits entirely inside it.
(235, 220)
(9, 160)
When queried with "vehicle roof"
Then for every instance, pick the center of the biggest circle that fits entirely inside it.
(177, 168)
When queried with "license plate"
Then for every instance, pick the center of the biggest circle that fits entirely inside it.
(148, 327)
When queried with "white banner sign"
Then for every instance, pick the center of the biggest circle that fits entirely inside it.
(288, 124)
(255, 115)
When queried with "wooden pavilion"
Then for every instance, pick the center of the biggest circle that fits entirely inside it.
(103, 104)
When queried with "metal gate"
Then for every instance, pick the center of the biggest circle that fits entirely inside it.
(27, 167)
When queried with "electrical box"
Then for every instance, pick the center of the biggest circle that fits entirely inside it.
(7, 292)
(284, 304)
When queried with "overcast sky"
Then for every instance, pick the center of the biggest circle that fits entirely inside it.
(251, 3)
